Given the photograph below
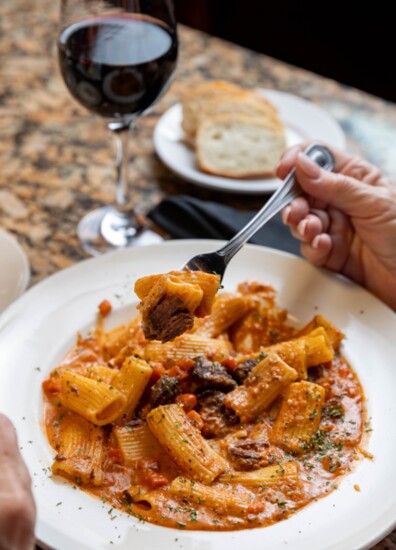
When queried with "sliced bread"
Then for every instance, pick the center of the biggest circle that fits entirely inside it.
(239, 145)
(197, 97)
(245, 102)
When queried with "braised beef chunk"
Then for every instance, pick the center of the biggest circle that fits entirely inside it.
(252, 454)
(216, 417)
(168, 319)
(208, 374)
(243, 370)
(315, 373)
(164, 391)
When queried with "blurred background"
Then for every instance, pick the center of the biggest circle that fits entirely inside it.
(345, 40)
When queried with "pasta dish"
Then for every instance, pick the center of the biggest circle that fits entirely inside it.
(236, 423)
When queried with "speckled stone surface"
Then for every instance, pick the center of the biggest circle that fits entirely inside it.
(57, 159)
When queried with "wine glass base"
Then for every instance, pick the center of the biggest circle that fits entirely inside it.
(106, 229)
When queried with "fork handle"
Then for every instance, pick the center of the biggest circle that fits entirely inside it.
(288, 191)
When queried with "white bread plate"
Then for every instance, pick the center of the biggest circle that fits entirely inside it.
(303, 121)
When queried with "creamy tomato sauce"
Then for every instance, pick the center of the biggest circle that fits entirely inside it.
(329, 454)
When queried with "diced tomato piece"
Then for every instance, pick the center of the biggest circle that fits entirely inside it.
(351, 391)
(115, 454)
(230, 363)
(175, 371)
(105, 308)
(52, 385)
(327, 427)
(343, 372)
(157, 373)
(188, 400)
(196, 419)
(256, 508)
(185, 363)
(149, 474)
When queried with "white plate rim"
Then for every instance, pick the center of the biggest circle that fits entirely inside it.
(287, 104)
(22, 274)
(45, 532)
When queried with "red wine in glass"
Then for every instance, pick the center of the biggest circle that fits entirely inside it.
(117, 65)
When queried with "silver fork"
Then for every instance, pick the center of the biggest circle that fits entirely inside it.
(216, 262)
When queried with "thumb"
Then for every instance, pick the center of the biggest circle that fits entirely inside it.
(343, 192)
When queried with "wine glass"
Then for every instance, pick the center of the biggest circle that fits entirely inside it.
(117, 57)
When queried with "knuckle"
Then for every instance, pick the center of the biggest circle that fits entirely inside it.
(362, 170)
(374, 175)
(338, 183)
(387, 195)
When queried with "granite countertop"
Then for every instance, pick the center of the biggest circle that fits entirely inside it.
(57, 159)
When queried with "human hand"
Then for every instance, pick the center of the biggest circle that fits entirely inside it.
(17, 508)
(346, 220)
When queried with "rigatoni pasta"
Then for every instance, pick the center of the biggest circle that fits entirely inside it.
(222, 498)
(96, 401)
(299, 417)
(225, 312)
(185, 444)
(262, 386)
(131, 381)
(237, 423)
(136, 443)
(267, 477)
(187, 346)
(80, 451)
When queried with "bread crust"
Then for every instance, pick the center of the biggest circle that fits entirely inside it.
(195, 98)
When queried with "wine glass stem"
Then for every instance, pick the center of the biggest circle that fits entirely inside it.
(121, 135)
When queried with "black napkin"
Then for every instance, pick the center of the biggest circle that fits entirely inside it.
(183, 217)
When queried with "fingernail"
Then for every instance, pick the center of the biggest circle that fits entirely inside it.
(316, 242)
(286, 214)
(301, 227)
(308, 166)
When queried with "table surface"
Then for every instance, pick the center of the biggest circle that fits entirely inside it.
(57, 159)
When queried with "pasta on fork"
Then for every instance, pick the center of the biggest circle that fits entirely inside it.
(169, 302)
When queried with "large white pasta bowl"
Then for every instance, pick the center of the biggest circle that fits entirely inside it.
(38, 329)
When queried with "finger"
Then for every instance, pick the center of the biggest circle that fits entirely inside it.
(363, 170)
(18, 511)
(8, 437)
(338, 190)
(10, 457)
(341, 233)
(324, 217)
(331, 249)
(289, 159)
(316, 204)
(296, 211)
(312, 226)
(318, 250)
